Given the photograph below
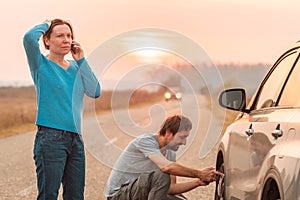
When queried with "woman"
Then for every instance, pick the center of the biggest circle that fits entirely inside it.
(60, 85)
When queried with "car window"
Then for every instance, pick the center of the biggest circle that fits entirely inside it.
(291, 95)
(271, 88)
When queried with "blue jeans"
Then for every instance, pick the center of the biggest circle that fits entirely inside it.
(59, 158)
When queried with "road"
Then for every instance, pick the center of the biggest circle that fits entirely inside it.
(105, 136)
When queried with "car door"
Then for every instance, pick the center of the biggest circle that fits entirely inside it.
(288, 155)
(267, 119)
(238, 154)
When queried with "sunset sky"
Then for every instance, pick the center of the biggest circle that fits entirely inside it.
(238, 31)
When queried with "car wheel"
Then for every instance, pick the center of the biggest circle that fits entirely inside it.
(271, 190)
(220, 184)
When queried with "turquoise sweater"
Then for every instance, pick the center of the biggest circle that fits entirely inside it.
(59, 91)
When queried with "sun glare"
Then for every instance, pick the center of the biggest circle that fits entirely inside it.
(150, 55)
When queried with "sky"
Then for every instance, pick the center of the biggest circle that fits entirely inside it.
(229, 31)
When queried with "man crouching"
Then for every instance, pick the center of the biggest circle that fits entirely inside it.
(147, 168)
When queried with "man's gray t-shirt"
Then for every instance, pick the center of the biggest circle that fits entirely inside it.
(134, 160)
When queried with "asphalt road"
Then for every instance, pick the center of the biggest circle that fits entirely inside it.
(105, 136)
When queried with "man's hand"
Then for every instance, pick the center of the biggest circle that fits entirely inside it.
(208, 175)
(202, 183)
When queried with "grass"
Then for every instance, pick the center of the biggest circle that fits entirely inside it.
(18, 106)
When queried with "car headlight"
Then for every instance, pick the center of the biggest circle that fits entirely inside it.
(167, 95)
(178, 95)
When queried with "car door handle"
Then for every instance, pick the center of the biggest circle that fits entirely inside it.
(249, 131)
(277, 132)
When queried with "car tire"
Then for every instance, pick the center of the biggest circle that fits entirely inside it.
(272, 190)
(220, 184)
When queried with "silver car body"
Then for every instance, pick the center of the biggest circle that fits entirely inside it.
(260, 150)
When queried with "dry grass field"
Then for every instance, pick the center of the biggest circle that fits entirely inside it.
(18, 106)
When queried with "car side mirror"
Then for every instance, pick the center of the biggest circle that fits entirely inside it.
(234, 99)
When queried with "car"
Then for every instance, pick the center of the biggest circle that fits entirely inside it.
(173, 94)
(259, 153)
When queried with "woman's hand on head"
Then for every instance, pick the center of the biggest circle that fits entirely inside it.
(47, 21)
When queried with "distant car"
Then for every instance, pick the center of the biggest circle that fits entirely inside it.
(260, 152)
(173, 94)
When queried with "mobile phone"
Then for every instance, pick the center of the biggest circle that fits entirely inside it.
(73, 49)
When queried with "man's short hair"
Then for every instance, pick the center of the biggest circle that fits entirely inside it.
(175, 124)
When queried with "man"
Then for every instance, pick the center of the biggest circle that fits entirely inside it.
(147, 168)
